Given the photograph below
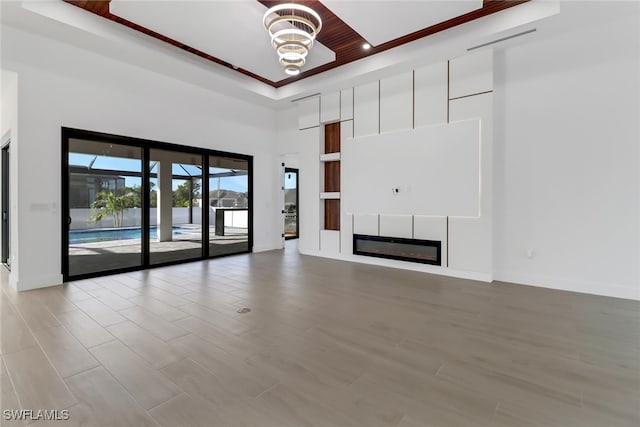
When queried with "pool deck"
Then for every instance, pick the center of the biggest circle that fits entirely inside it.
(116, 254)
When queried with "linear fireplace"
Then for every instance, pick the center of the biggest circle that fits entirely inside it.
(414, 250)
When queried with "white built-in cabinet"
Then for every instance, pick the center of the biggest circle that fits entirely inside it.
(431, 96)
(396, 103)
(309, 112)
(471, 74)
(346, 105)
(330, 107)
(330, 242)
(396, 226)
(470, 239)
(367, 224)
(346, 219)
(433, 228)
(309, 188)
(434, 96)
(366, 109)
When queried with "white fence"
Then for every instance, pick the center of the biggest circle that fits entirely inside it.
(133, 218)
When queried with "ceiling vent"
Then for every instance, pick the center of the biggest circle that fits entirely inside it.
(513, 36)
(305, 97)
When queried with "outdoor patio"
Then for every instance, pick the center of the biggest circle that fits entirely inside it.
(92, 257)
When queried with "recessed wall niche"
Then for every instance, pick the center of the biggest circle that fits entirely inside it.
(331, 193)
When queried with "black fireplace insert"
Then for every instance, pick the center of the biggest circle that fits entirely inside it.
(413, 250)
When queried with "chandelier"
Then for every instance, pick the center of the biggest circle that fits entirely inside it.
(293, 28)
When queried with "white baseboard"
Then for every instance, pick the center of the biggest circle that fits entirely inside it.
(265, 248)
(403, 265)
(13, 280)
(584, 287)
(38, 282)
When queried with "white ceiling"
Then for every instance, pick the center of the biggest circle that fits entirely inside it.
(381, 21)
(71, 25)
(229, 30)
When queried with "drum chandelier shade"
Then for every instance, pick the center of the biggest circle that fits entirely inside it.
(293, 29)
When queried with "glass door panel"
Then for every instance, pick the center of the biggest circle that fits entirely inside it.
(6, 198)
(104, 196)
(175, 195)
(228, 206)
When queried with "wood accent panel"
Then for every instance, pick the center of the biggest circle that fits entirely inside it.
(335, 34)
(332, 214)
(352, 50)
(332, 138)
(99, 7)
(331, 177)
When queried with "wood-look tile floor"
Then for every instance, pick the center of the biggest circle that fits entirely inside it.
(326, 343)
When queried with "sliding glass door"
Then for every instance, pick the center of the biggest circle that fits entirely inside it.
(104, 206)
(228, 205)
(175, 226)
(130, 204)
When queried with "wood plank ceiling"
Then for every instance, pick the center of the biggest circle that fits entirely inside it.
(335, 34)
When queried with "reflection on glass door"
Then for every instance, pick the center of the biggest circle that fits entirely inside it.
(228, 205)
(104, 200)
(6, 253)
(291, 226)
(175, 196)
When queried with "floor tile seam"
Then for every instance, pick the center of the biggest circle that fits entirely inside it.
(61, 325)
(133, 401)
(51, 365)
(157, 370)
(574, 394)
(147, 361)
(44, 353)
(13, 386)
(171, 322)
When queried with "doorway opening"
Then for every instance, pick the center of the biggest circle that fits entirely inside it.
(6, 198)
(291, 212)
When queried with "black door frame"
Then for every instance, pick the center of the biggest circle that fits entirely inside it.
(297, 172)
(146, 145)
(6, 208)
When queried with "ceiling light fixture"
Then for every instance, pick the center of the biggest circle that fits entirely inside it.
(366, 46)
(293, 29)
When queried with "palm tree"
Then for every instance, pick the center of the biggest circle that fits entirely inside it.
(109, 203)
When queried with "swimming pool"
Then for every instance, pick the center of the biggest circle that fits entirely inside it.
(89, 236)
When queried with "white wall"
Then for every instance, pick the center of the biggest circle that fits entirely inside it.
(9, 132)
(566, 161)
(287, 135)
(566, 155)
(61, 85)
(436, 171)
(288, 146)
(567, 183)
